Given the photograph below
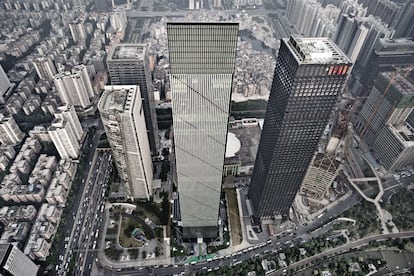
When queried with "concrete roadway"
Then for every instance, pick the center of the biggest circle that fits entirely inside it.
(344, 248)
(302, 234)
(90, 226)
(257, 251)
(65, 249)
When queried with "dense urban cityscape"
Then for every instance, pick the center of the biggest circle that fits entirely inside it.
(207, 137)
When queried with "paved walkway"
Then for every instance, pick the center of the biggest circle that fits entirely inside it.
(384, 216)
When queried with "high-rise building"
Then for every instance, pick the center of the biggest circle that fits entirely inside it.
(74, 87)
(45, 68)
(68, 113)
(14, 262)
(10, 133)
(376, 31)
(122, 115)
(202, 60)
(385, 121)
(390, 102)
(4, 84)
(64, 138)
(350, 35)
(311, 19)
(394, 146)
(386, 56)
(404, 26)
(78, 31)
(310, 74)
(128, 65)
(118, 19)
(388, 11)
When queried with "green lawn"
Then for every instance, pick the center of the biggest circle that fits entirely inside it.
(125, 235)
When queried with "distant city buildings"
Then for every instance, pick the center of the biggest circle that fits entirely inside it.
(123, 118)
(311, 19)
(102, 5)
(10, 133)
(64, 138)
(128, 64)
(45, 68)
(5, 84)
(405, 23)
(387, 55)
(78, 31)
(68, 113)
(310, 73)
(247, 3)
(202, 60)
(383, 121)
(74, 87)
(65, 132)
(118, 20)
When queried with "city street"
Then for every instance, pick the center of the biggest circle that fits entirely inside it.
(83, 227)
(63, 251)
(89, 225)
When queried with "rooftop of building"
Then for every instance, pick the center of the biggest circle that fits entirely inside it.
(400, 81)
(233, 145)
(57, 123)
(319, 50)
(249, 137)
(118, 98)
(127, 51)
(399, 46)
(404, 133)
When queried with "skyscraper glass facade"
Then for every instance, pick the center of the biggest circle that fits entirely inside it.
(202, 59)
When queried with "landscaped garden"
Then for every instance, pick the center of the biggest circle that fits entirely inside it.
(367, 221)
(401, 207)
(132, 233)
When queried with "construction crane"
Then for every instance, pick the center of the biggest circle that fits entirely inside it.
(406, 70)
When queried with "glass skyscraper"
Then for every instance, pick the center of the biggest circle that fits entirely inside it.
(309, 75)
(202, 60)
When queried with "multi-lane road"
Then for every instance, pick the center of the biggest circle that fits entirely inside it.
(81, 227)
(89, 225)
(64, 250)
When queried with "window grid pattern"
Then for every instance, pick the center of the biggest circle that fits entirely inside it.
(299, 106)
(202, 58)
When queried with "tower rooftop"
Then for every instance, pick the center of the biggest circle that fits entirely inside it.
(127, 51)
(319, 50)
(118, 98)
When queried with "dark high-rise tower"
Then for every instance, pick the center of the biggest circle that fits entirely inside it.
(309, 75)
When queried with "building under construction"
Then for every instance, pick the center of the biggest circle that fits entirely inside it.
(382, 122)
